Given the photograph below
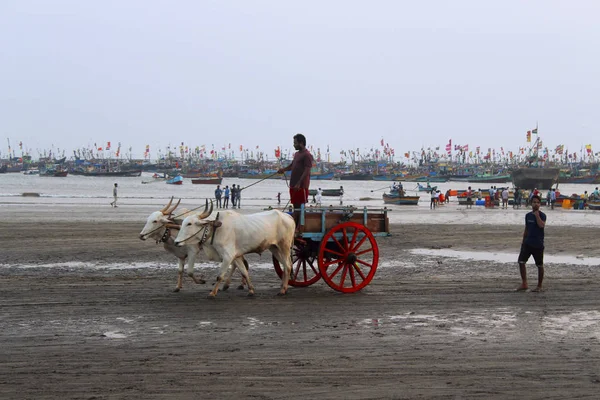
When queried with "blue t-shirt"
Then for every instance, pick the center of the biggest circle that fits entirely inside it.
(535, 234)
(226, 192)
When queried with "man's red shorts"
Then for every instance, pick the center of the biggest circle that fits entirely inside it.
(298, 196)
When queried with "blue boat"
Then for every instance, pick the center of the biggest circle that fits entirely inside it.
(425, 188)
(178, 180)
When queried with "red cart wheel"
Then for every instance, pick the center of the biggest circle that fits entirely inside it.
(348, 257)
(305, 269)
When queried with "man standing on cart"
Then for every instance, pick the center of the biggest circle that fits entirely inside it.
(300, 179)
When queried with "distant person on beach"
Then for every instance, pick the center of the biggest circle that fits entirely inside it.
(218, 193)
(505, 198)
(517, 198)
(533, 244)
(552, 198)
(233, 196)
(114, 202)
(469, 198)
(319, 196)
(238, 196)
(447, 197)
(300, 177)
(433, 202)
(596, 194)
(279, 198)
(226, 193)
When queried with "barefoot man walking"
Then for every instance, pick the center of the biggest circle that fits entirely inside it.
(533, 244)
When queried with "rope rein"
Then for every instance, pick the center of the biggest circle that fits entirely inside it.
(204, 235)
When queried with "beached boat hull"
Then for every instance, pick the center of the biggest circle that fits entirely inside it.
(401, 200)
(326, 192)
(531, 178)
(594, 205)
(207, 181)
(356, 177)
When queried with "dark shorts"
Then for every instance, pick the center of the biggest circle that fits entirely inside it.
(469, 200)
(528, 251)
(298, 196)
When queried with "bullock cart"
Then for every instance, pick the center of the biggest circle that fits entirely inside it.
(338, 244)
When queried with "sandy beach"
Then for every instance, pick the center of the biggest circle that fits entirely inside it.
(88, 312)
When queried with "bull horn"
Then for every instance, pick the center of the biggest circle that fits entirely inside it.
(206, 213)
(164, 210)
(173, 209)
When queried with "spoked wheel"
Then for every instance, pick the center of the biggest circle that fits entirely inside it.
(348, 257)
(305, 269)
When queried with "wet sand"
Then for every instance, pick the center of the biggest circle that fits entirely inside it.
(426, 327)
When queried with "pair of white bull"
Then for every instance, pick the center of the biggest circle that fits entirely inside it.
(225, 239)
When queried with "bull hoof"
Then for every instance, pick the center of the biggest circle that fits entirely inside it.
(201, 281)
(281, 293)
(225, 287)
(211, 296)
(176, 290)
(241, 287)
(250, 294)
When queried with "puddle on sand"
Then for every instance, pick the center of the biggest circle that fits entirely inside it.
(114, 335)
(504, 257)
(502, 321)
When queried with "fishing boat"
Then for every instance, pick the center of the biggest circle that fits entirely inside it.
(156, 178)
(207, 181)
(178, 180)
(327, 192)
(54, 173)
(387, 177)
(533, 177)
(321, 176)
(426, 188)
(100, 173)
(484, 178)
(356, 176)
(400, 200)
(594, 204)
(437, 179)
(536, 174)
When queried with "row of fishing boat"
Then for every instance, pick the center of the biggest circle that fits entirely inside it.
(179, 179)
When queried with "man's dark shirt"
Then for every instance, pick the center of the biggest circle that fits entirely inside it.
(302, 160)
(535, 234)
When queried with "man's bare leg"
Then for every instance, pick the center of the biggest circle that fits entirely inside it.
(523, 272)
(539, 287)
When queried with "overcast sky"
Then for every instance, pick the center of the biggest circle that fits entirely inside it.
(344, 73)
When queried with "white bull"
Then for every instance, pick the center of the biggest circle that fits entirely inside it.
(163, 227)
(231, 235)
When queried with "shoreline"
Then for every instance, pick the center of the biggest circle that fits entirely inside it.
(43, 209)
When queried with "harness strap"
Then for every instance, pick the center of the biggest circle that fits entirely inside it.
(215, 226)
(165, 236)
